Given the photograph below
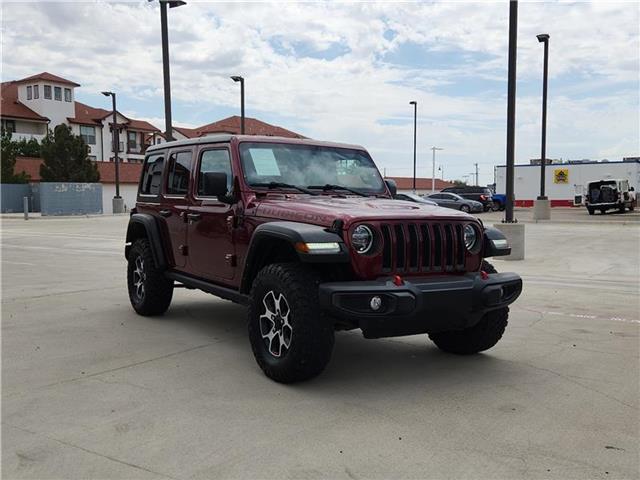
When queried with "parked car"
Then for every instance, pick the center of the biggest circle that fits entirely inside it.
(451, 200)
(479, 194)
(308, 236)
(606, 195)
(412, 197)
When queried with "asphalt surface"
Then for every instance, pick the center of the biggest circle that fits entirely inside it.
(91, 390)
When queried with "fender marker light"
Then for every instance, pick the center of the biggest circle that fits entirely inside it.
(318, 247)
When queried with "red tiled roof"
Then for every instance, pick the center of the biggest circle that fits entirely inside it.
(48, 77)
(406, 183)
(87, 115)
(252, 127)
(141, 125)
(187, 132)
(129, 172)
(10, 107)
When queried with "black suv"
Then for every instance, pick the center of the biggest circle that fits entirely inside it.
(479, 194)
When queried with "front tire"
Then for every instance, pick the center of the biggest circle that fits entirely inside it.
(590, 210)
(150, 292)
(482, 336)
(464, 208)
(291, 338)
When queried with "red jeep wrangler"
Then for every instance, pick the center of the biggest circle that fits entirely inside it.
(307, 234)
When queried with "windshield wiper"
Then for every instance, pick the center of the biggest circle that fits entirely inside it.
(330, 186)
(272, 185)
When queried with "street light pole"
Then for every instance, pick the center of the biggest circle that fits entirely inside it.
(433, 165)
(237, 78)
(544, 38)
(118, 203)
(415, 130)
(165, 63)
(511, 108)
(542, 206)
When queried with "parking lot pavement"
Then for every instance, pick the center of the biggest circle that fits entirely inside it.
(566, 215)
(90, 390)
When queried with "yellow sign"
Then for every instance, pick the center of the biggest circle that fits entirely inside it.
(561, 175)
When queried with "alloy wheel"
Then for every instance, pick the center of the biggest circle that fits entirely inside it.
(275, 328)
(139, 277)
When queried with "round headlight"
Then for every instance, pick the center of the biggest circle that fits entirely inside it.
(470, 237)
(362, 239)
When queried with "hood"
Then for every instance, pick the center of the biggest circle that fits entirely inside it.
(324, 209)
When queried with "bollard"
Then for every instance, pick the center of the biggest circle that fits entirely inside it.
(25, 206)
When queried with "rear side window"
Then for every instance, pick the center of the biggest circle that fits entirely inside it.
(152, 175)
(178, 176)
(214, 161)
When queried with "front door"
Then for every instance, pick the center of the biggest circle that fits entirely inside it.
(211, 222)
(175, 204)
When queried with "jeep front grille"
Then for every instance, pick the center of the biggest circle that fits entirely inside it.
(422, 247)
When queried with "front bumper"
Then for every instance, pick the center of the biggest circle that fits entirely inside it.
(420, 304)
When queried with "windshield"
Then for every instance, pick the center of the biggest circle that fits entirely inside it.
(309, 166)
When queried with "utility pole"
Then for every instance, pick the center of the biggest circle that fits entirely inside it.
(477, 181)
(542, 207)
(117, 202)
(415, 129)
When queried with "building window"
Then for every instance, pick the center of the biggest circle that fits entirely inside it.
(36, 91)
(29, 92)
(67, 94)
(88, 134)
(47, 92)
(131, 137)
(92, 158)
(57, 93)
(8, 126)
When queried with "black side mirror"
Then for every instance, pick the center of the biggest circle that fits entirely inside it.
(214, 184)
(631, 189)
(392, 186)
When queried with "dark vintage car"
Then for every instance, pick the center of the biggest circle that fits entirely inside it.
(308, 236)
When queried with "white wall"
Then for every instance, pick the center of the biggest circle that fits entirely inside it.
(527, 178)
(55, 110)
(94, 150)
(128, 191)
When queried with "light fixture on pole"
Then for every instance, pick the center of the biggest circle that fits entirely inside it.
(433, 165)
(238, 78)
(118, 202)
(165, 63)
(542, 208)
(415, 129)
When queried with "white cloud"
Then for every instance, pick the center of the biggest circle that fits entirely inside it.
(594, 56)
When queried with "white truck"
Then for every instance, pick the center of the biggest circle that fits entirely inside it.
(606, 195)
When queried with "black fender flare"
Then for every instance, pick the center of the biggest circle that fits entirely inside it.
(292, 233)
(495, 243)
(148, 222)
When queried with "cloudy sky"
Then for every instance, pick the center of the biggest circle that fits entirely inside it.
(347, 71)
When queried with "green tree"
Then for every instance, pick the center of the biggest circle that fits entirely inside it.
(460, 183)
(66, 158)
(8, 154)
(28, 148)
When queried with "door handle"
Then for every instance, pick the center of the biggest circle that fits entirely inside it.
(165, 213)
(193, 217)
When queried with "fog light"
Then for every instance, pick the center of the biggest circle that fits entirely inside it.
(375, 303)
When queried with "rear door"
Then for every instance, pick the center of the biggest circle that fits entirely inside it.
(212, 254)
(174, 204)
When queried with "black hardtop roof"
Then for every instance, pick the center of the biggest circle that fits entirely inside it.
(225, 137)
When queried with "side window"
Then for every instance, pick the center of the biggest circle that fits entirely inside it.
(152, 175)
(214, 161)
(178, 176)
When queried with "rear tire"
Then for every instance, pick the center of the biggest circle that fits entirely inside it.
(482, 336)
(621, 208)
(590, 210)
(290, 336)
(150, 292)
(495, 207)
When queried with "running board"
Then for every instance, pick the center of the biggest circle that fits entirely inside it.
(205, 286)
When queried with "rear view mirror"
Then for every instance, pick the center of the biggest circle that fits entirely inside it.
(392, 186)
(215, 185)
